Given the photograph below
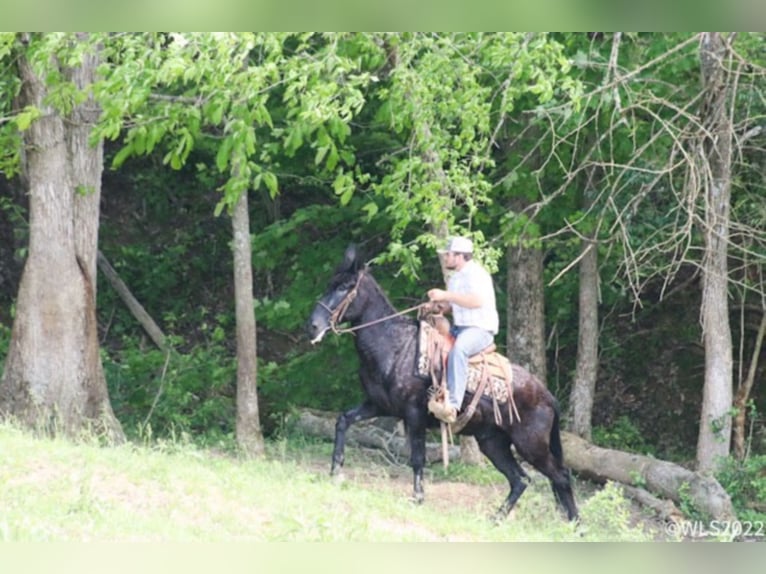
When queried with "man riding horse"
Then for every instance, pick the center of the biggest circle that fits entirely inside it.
(471, 298)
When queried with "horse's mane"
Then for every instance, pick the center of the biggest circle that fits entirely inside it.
(351, 270)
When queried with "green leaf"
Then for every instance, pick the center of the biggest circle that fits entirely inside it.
(346, 196)
(371, 209)
(321, 152)
(332, 159)
(120, 157)
(219, 207)
(224, 152)
(217, 115)
(25, 118)
(271, 182)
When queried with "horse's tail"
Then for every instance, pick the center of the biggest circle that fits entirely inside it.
(555, 438)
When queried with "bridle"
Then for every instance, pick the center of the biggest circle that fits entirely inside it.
(336, 315)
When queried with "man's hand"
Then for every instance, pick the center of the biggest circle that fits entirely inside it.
(437, 295)
(436, 307)
(467, 300)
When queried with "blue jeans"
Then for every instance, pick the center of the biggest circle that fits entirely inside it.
(468, 342)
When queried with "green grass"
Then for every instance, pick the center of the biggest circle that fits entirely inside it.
(55, 490)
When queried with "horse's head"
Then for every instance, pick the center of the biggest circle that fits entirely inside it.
(336, 305)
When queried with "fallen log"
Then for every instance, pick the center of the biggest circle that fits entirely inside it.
(662, 478)
(138, 311)
(663, 508)
(382, 433)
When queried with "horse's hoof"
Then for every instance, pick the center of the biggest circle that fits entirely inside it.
(338, 477)
(418, 498)
(502, 515)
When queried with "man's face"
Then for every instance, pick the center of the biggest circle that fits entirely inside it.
(452, 260)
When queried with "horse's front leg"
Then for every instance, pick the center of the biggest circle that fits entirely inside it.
(416, 431)
(362, 412)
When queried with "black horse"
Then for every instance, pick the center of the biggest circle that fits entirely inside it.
(387, 346)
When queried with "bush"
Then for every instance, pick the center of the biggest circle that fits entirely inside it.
(624, 435)
(745, 481)
(191, 393)
(605, 516)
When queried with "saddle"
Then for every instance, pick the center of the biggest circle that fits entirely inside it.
(489, 373)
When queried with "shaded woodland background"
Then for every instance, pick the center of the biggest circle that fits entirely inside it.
(158, 233)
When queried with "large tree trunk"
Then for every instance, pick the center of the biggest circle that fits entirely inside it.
(663, 478)
(53, 378)
(526, 309)
(249, 435)
(714, 171)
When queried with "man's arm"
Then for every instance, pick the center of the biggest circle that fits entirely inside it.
(465, 300)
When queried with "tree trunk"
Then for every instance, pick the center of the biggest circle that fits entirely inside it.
(525, 288)
(526, 309)
(249, 436)
(663, 478)
(584, 385)
(53, 379)
(715, 176)
(743, 393)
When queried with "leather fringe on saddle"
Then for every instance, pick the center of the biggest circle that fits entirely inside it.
(482, 362)
(437, 347)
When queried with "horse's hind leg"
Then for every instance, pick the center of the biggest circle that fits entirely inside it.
(561, 485)
(562, 490)
(362, 412)
(497, 447)
(558, 476)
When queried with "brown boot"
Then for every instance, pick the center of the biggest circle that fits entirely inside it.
(443, 411)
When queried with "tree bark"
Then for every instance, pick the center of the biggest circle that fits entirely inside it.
(665, 509)
(526, 309)
(249, 435)
(53, 379)
(714, 173)
(662, 478)
(584, 385)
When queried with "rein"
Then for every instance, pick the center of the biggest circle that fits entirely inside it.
(336, 315)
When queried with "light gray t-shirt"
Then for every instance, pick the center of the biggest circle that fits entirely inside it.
(473, 278)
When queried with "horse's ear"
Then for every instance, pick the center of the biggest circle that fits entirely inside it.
(351, 259)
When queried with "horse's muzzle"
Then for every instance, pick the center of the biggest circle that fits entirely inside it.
(319, 337)
(316, 330)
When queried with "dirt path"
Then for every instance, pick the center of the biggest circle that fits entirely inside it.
(369, 469)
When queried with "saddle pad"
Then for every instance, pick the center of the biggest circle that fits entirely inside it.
(497, 386)
(496, 363)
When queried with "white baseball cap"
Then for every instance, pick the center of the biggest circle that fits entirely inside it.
(458, 245)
